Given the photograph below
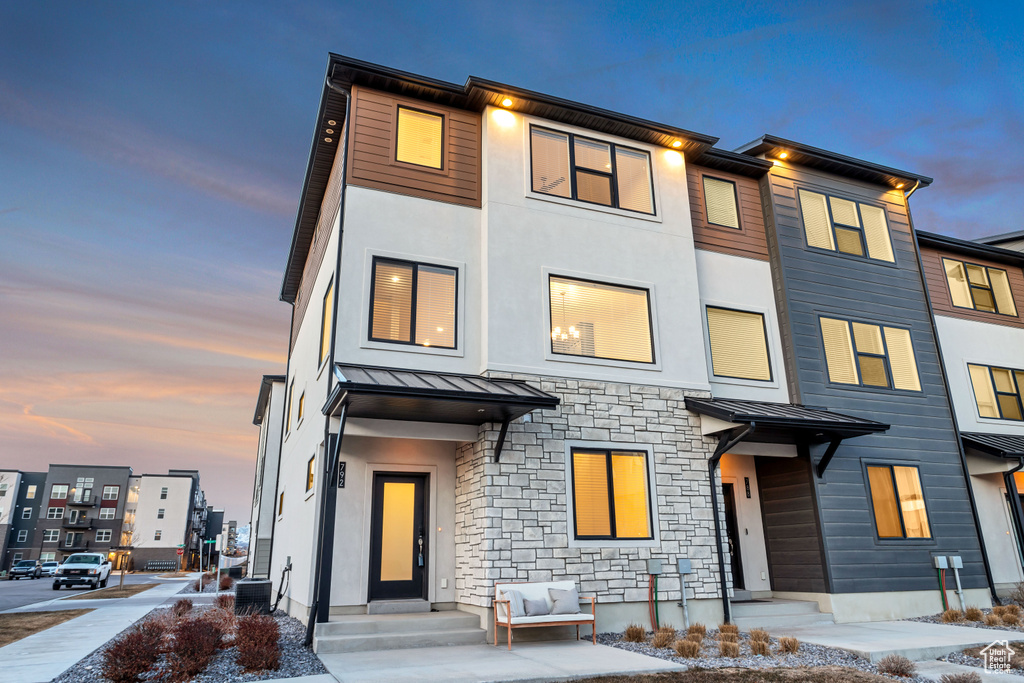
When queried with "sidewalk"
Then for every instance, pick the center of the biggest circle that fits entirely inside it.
(45, 655)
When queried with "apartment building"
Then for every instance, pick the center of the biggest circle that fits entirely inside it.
(166, 512)
(24, 495)
(269, 417)
(536, 340)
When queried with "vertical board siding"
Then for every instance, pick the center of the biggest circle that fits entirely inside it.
(791, 531)
(942, 302)
(372, 151)
(749, 239)
(810, 283)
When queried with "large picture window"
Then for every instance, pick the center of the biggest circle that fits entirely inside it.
(849, 227)
(420, 138)
(869, 355)
(979, 287)
(599, 320)
(592, 171)
(998, 391)
(739, 346)
(610, 494)
(898, 502)
(413, 303)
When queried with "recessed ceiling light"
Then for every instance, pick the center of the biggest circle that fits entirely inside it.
(327, 139)
(331, 122)
(329, 131)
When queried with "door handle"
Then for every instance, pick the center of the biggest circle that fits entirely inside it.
(419, 541)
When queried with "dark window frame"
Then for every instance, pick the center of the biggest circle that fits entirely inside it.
(613, 175)
(735, 196)
(832, 226)
(995, 391)
(971, 287)
(323, 324)
(899, 508)
(767, 349)
(444, 130)
(412, 303)
(288, 417)
(607, 452)
(310, 473)
(888, 363)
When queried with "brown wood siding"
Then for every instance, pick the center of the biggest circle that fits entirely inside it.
(372, 151)
(322, 234)
(749, 240)
(791, 531)
(942, 302)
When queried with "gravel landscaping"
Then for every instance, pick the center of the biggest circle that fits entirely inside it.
(972, 656)
(209, 586)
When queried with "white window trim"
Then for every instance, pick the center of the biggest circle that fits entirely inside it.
(652, 298)
(22, 535)
(529, 121)
(770, 341)
(108, 533)
(26, 513)
(652, 489)
(460, 304)
(56, 536)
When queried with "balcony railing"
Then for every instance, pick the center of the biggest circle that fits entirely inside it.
(82, 501)
(80, 524)
(76, 547)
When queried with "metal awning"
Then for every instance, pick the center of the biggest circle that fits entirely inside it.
(1000, 445)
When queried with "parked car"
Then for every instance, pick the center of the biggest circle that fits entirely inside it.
(50, 568)
(91, 569)
(26, 569)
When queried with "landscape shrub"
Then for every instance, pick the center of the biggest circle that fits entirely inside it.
(728, 648)
(897, 665)
(760, 635)
(1017, 595)
(257, 642)
(697, 627)
(196, 641)
(1011, 619)
(196, 586)
(992, 619)
(760, 647)
(696, 637)
(225, 602)
(635, 633)
(181, 607)
(963, 677)
(130, 656)
(663, 638)
(951, 616)
(225, 583)
(728, 628)
(728, 637)
(999, 610)
(1012, 609)
(224, 621)
(688, 648)
(974, 614)
(789, 645)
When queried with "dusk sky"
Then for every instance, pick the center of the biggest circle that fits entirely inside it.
(152, 155)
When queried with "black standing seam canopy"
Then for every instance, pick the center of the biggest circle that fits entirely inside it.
(1000, 445)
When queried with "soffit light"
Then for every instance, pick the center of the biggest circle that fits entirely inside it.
(783, 155)
(506, 102)
(677, 144)
(331, 122)
(899, 186)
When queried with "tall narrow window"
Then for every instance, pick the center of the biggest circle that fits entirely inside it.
(310, 472)
(157, 534)
(302, 407)
(838, 224)
(280, 504)
(163, 493)
(898, 502)
(998, 391)
(26, 513)
(326, 322)
(600, 320)
(31, 491)
(288, 412)
(592, 171)
(610, 497)
(869, 355)
(979, 287)
(739, 347)
(413, 303)
(420, 138)
(721, 203)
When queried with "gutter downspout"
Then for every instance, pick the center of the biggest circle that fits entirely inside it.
(1015, 507)
(949, 403)
(724, 444)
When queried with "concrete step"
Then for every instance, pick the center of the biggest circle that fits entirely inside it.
(773, 608)
(364, 624)
(398, 641)
(398, 607)
(747, 623)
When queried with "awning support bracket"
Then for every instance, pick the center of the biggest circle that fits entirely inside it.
(822, 465)
(501, 440)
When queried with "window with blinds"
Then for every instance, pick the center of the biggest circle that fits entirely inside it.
(591, 171)
(721, 203)
(998, 391)
(420, 138)
(610, 494)
(838, 224)
(326, 320)
(739, 347)
(979, 287)
(413, 303)
(600, 320)
(898, 502)
(869, 355)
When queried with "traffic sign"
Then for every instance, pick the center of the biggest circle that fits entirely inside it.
(181, 551)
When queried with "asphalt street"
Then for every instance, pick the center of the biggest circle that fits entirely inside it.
(23, 592)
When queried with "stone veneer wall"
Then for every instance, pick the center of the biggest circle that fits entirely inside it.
(511, 521)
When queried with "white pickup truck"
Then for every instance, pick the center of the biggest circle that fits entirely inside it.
(82, 568)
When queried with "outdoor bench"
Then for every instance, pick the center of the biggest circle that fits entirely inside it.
(508, 613)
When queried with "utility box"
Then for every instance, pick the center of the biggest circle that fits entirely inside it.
(654, 566)
(252, 596)
(684, 565)
(940, 562)
(956, 562)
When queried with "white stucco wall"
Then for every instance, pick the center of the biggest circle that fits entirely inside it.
(177, 511)
(12, 478)
(753, 554)
(996, 528)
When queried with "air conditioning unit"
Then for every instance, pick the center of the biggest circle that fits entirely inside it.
(252, 596)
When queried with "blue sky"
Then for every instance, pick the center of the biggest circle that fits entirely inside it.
(151, 157)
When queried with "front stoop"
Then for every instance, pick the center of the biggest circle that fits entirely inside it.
(365, 632)
(776, 614)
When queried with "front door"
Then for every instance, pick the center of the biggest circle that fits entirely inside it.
(732, 531)
(398, 538)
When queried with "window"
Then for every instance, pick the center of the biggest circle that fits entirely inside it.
(872, 355)
(280, 504)
(157, 534)
(288, 415)
(898, 502)
(591, 171)
(107, 513)
(420, 136)
(841, 225)
(998, 391)
(979, 287)
(310, 472)
(610, 498)
(22, 535)
(111, 492)
(26, 513)
(163, 493)
(51, 535)
(3, 490)
(69, 540)
(326, 317)
(59, 492)
(103, 536)
(55, 513)
(302, 406)
(16, 559)
(30, 493)
(83, 489)
(721, 203)
(600, 321)
(160, 513)
(47, 557)
(739, 346)
(413, 303)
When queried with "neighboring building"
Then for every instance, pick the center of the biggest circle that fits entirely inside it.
(228, 536)
(214, 526)
(1008, 240)
(269, 417)
(23, 517)
(165, 517)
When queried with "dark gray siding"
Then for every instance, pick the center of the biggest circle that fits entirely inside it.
(29, 547)
(824, 283)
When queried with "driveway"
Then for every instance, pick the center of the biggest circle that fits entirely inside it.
(14, 594)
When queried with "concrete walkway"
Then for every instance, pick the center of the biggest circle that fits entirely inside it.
(934, 671)
(912, 639)
(45, 655)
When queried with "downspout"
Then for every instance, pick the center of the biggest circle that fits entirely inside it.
(949, 402)
(724, 444)
(1015, 508)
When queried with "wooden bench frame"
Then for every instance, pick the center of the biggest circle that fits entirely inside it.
(509, 626)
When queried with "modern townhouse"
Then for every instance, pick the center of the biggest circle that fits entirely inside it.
(1007, 240)
(26, 500)
(559, 342)
(976, 293)
(269, 417)
(164, 515)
